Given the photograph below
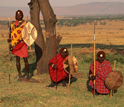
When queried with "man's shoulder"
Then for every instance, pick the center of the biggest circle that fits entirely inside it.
(107, 61)
(52, 59)
(91, 64)
(12, 22)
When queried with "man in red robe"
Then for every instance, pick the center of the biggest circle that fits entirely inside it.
(102, 68)
(19, 48)
(61, 73)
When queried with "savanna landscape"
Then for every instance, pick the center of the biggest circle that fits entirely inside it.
(109, 34)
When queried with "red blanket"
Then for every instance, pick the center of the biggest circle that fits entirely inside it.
(102, 70)
(61, 74)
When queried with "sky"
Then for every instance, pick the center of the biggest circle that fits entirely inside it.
(23, 3)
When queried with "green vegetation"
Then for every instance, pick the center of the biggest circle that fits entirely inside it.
(78, 20)
(3, 22)
(27, 94)
(74, 21)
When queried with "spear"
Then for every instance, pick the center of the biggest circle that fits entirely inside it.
(9, 48)
(94, 62)
(29, 28)
(70, 73)
(55, 56)
(112, 91)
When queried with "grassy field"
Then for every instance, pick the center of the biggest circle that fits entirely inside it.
(109, 38)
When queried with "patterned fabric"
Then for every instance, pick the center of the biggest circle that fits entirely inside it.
(20, 48)
(16, 35)
(61, 74)
(102, 70)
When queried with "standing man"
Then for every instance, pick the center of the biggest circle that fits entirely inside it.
(17, 45)
(61, 73)
(102, 68)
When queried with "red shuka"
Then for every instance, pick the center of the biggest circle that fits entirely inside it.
(20, 50)
(102, 70)
(61, 74)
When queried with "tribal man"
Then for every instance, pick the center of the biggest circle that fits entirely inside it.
(17, 45)
(102, 69)
(61, 76)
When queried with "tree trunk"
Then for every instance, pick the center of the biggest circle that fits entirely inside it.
(44, 49)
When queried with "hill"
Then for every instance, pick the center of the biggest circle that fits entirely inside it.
(92, 8)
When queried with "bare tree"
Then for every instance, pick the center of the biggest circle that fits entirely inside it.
(44, 44)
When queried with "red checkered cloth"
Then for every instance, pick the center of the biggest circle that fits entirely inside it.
(61, 74)
(102, 70)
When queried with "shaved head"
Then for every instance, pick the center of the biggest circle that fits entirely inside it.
(19, 15)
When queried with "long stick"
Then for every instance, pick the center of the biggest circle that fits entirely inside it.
(9, 49)
(94, 61)
(113, 70)
(55, 55)
(29, 46)
(71, 49)
(114, 65)
(112, 91)
(9, 63)
(70, 73)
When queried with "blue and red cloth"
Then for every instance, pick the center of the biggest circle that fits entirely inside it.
(102, 70)
(61, 73)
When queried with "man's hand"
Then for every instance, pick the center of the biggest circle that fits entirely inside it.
(92, 77)
(54, 66)
(9, 40)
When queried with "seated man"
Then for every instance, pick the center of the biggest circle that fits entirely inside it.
(102, 68)
(61, 74)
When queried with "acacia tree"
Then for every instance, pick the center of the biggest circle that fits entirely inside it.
(44, 44)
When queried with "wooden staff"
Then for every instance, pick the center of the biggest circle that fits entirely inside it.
(9, 48)
(94, 62)
(9, 62)
(55, 55)
(70, 73)
(71, 49)
(112, 91)
(29, 46)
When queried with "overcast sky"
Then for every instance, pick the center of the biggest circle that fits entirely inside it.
(23, 3)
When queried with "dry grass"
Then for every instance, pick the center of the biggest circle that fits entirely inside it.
(105, 34)
(111, 34)
(33, 94)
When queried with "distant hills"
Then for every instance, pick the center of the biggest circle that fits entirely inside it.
(93, 8)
